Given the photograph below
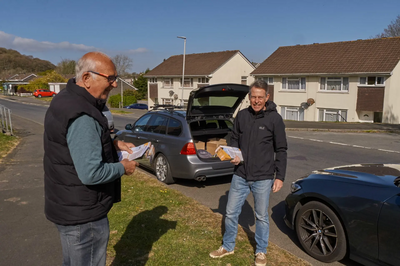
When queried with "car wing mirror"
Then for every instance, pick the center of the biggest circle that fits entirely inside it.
(397, 182)
(129, 127)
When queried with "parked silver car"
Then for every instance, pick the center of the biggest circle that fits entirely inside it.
(184, 142)
(107, 113)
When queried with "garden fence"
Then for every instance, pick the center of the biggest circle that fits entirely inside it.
(6, 123)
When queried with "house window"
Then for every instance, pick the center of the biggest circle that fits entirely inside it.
(168, 83)
(269, 80)
(188, 83)
(372, 81)
(292, 113)
(153, 80)
(334, 84)
(244, 80)
(166, 101)
(293, 83)
(202, 80)
(332, 115)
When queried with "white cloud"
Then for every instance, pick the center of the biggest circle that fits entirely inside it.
(30, 45)
(137, 51)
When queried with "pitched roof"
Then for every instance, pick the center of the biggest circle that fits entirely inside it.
(195, 64)
(361, 56)
(22, 77)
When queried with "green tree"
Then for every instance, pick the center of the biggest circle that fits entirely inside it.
(392, 30)
(140, 82)
(43, 81)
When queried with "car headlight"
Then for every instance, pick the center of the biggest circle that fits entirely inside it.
(294, 187)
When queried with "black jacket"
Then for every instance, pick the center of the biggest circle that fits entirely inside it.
(262, 140)
(67, 200)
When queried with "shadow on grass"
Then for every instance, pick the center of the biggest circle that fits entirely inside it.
(246, 217)
(135, 245)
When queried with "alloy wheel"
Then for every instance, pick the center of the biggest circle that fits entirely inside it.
(161, 168)
(318, 232)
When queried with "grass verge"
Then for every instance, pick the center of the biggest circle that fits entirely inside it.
(7, 144)
(155, 225)
(120, 112)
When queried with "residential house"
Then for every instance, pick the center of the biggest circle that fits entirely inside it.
(11, 84)
(353, 81)
(165, 80)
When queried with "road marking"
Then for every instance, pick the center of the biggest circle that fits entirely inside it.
(338, 143)
(296, 137)
(344, 144)
(388, 150)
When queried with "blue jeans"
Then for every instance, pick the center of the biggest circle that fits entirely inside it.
(85, 244)
(240, 189)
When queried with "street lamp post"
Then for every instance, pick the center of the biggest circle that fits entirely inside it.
(183, 68)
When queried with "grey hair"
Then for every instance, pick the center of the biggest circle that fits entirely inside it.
(86, 64)
(260, 84)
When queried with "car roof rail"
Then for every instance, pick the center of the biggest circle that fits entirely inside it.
(168, 107)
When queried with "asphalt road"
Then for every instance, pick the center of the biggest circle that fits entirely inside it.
(308, 150)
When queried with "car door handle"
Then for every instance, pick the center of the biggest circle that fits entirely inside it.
(156, 140)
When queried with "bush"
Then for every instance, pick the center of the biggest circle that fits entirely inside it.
(22, 90)
(116, 99)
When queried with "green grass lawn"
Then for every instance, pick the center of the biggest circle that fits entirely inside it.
(7, 143)
(155, 225)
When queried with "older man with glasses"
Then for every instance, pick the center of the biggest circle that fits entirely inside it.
(82, 172)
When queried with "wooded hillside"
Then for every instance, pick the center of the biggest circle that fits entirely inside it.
(12, 62)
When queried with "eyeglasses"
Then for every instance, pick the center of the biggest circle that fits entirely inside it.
(110, 78)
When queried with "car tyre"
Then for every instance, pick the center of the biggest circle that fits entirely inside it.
(53, 95)
(320, 232)
(163, 170)
(39, 96)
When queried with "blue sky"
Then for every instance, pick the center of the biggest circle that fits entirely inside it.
(147, 30)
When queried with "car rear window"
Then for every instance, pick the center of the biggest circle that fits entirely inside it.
(227, 101)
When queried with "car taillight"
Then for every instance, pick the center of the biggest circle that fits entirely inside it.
(188, 149)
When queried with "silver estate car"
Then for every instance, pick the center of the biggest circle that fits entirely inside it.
(184, 142)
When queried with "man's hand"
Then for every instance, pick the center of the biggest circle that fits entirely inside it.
(123, 146)
(129, 166)
(235, 160)
(277, 185)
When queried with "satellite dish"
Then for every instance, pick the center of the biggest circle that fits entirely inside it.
(176, 96)
(171, 92)
(304, 105)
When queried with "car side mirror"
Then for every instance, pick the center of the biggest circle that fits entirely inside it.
(129, 127)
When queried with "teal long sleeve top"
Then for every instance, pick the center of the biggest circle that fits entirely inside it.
(84, 143)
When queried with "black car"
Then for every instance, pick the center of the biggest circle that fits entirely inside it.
(352, 210)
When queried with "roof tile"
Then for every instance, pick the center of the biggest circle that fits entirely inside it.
(361, 56)
(195, 64)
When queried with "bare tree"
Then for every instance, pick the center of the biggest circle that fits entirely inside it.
(66, 66)
(123, 63)
(393, 29)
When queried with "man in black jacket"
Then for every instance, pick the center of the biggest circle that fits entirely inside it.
(259, 132)
(82, 172)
